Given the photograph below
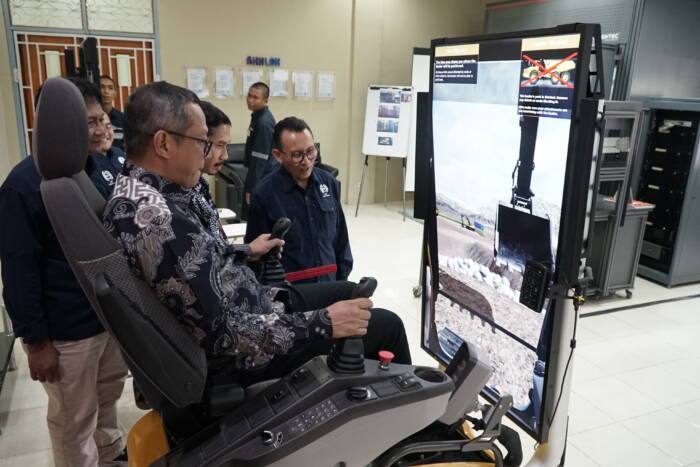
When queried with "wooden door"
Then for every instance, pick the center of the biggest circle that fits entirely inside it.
(31, 51)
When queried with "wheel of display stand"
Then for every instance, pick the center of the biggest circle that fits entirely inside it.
(628, 293)
(417, 291)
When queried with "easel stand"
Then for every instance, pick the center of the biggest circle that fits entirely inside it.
(386, 183)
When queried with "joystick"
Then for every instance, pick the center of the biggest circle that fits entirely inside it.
(272, 270)
(347, 355)
(366, 287)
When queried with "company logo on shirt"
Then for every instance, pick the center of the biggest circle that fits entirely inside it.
(324, 190)
(121, 159)
(107, 175)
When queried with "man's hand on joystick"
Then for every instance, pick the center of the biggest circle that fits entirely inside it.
(264, 243)
(270, 244)
(350, 317)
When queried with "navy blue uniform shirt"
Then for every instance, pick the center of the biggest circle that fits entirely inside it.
(319, 234)
(118, 122)
(103, 169)
(258, 148)
(41, 293)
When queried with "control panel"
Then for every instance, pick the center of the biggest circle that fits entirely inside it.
(310, 402)
(534, 287)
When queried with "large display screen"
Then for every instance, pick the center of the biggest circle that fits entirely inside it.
(501, 117)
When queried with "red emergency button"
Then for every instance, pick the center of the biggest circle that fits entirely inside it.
(385, 357)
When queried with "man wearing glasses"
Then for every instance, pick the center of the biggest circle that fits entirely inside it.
(219, 133)
(310, 197)
(259, 331)
(68, 350)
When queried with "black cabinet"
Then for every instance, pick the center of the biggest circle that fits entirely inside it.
(668, 177)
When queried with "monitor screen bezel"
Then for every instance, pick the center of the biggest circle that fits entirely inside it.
(567, 260)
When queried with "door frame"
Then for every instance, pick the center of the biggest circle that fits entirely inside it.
(10, 31)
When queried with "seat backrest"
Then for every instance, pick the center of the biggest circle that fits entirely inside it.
(236, 152)
(168, 364)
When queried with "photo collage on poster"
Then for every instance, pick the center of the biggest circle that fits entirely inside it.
(389, 113)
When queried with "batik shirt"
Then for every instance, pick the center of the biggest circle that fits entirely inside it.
(204, 207)
(204, 282)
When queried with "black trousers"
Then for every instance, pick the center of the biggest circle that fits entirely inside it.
(385, 331)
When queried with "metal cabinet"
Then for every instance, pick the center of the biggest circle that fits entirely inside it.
(669, 177)
(618, 221)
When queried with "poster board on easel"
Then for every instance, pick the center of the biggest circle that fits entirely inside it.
(388, 115)
(387, 121)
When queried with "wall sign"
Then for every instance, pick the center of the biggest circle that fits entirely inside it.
(263, 61)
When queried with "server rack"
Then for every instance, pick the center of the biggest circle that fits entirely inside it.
(670, 178)
(618, 221)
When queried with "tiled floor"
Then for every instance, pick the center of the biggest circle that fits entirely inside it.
(636, 373)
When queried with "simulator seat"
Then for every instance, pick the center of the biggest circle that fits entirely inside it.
(336, 410)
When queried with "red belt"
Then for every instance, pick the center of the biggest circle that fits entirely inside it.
(311, 272)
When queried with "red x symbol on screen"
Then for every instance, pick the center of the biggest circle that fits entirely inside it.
(548, 71)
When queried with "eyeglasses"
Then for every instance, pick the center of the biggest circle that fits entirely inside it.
(97, 122)
(204, 143)
(298, 156)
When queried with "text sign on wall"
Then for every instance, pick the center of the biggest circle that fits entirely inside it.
(263, 61)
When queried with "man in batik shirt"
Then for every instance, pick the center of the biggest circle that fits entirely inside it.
(204, 281)
(219, 133)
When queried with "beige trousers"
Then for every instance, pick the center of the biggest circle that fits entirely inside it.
(82, 412)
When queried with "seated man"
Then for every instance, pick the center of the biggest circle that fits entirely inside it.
(310, 197)
(205, 282)
(219, 133)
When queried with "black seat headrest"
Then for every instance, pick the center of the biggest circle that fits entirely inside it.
(60, 134)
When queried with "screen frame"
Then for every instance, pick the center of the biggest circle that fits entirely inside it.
(573, 212)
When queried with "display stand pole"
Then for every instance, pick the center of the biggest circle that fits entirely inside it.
(386, 184)
(386, 178)
(403, 188)
(362, 184)
(551, 452)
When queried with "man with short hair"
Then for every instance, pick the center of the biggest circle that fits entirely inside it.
(107, 90)
(263, 332)
(310, 197)
(69, 352)
(258, 145)
(219, 133)
(113, 153)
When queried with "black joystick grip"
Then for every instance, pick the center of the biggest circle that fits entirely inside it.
(272, 270)
(366, 287)
(281, 227)
(279, 230)
(347, 355)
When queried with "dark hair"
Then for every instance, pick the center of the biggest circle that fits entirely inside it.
(262, 86)
(107, 77)
(88, 89)
(152, 107)
(215, 116)
(294, 124)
